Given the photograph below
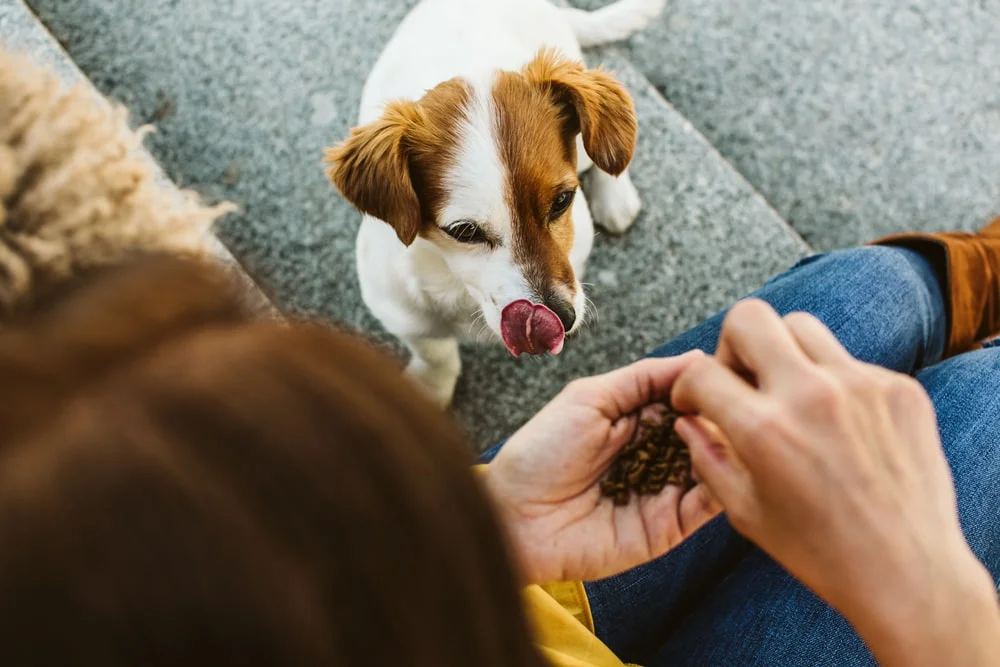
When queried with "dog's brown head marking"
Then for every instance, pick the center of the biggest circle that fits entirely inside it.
(393, 168)
(601, 108)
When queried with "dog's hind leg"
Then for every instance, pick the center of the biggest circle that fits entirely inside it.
(614, 201)
(583, 235)
(435, 364)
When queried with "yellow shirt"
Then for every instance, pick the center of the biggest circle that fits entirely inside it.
(564, 628)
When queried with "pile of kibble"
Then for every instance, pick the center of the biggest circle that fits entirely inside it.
(654, 458)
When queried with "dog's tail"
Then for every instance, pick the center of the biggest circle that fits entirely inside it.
(615, 22)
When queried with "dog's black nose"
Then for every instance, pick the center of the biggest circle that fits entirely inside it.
(564, 311)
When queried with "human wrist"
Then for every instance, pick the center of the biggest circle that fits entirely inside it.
(949, 615)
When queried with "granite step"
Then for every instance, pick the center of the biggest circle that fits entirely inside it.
(854, 119)
(22, 32)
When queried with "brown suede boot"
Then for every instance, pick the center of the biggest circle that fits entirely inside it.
(969, 265)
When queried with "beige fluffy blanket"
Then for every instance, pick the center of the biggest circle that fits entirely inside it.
(76, 192)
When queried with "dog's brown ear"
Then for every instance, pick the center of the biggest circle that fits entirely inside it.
(602, 109)
(371, 169)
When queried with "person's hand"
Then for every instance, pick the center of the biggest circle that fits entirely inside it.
(835, 468)
(545, 481)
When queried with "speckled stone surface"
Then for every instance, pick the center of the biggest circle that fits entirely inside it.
(246, 95)
(855, 119)
(21, 32)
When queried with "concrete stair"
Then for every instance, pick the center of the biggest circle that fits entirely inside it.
(854, 119)
(245, 95)
(21, 31)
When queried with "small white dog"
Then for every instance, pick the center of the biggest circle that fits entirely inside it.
(475, 124)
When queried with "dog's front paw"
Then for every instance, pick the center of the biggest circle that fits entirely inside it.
(614, 202)
(438, 382)
(436, 365)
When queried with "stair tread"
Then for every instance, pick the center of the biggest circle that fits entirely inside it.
(22, 32)
(854, 119)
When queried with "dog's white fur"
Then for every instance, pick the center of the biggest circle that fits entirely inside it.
(430, 297)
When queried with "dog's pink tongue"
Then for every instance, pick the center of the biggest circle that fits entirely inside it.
(531, 328)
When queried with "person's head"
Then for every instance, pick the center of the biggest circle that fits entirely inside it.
(182, 485)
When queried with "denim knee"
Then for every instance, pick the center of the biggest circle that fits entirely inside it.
(965, 391)
(888, 272)
(884, 304)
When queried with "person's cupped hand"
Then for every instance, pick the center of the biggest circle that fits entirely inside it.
(545, 480)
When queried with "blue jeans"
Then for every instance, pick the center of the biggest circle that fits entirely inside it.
(717, 599)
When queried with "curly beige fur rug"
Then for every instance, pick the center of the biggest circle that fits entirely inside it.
(76, 193)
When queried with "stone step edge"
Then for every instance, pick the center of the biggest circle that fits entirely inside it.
(595, 56)
(68, 70)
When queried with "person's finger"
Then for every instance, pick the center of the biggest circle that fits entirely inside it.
(670, 516)
(718, 466)
(627, 389)
(816, 340)
(712, 433)
(698, 507)
(755, 341)
(709, 388)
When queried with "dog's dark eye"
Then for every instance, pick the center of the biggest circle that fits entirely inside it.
(560, 204)
(466, 232)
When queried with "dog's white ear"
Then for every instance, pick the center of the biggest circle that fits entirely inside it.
(371, 169)
(601, 107)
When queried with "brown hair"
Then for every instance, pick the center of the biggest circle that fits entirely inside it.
(180, 485)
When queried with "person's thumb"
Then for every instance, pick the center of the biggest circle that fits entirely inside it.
(630, 388)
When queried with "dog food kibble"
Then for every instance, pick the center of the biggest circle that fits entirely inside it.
(654, 458)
